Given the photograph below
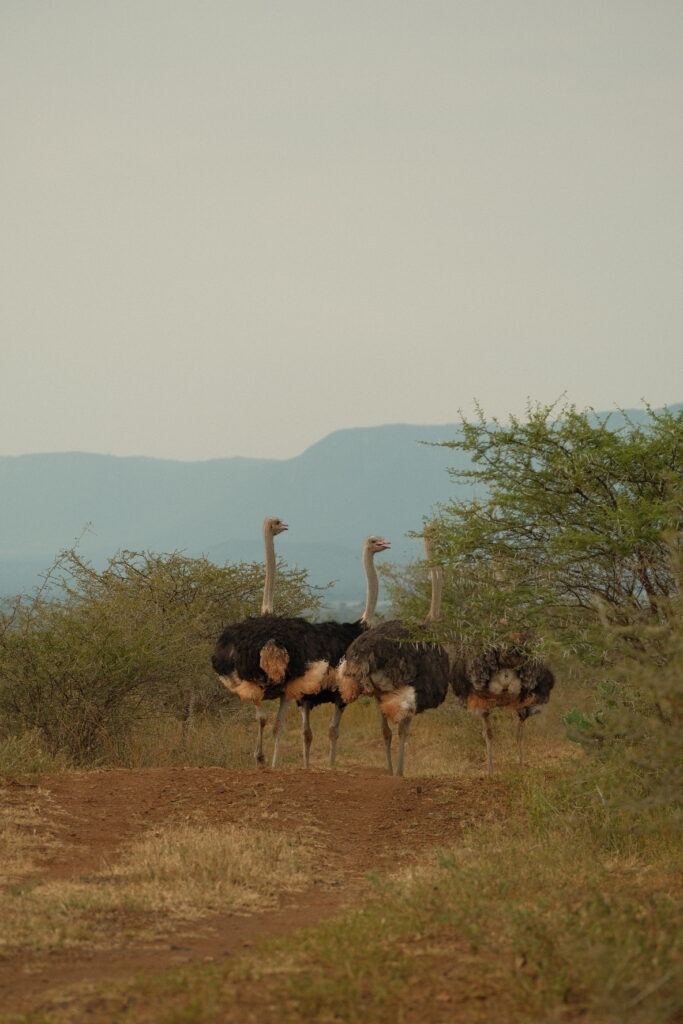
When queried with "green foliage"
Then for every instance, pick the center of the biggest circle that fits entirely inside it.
(592, 730)
(579, 543)
(637, 740)
(576, 517)
(635, 731)
(476, 611)
(586, 729)
(96, 651)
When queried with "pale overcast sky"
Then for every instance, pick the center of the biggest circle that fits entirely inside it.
(229, 227)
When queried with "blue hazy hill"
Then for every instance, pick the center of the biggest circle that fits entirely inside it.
(350, 484)
(346, 486)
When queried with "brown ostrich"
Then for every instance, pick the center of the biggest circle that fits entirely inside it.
(405, 673)
(504, 676)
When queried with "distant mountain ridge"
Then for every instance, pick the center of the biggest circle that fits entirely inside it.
(350, 484)
(334, 494)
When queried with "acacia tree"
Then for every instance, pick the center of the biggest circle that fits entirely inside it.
(579, 512)
(577, 539)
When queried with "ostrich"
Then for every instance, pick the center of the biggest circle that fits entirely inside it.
(336, 637)
(406, 674)
(270, 657)
(505, 676)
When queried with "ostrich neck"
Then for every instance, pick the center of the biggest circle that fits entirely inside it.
(437, 590)
(436, 573)
(269, 582)
(373, 585)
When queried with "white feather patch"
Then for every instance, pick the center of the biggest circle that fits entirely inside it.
(310, 682)
(398, 705)
(505, 680)
(243, 688)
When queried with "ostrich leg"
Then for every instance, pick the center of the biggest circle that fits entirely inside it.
(277, 729)
(306, 730)
(334, 731)
(488, 739)
(386, 736)
(520, 740)
(403, 730)
(261, 719)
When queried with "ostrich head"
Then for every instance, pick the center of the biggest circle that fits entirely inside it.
(272, 525)
(376, 544)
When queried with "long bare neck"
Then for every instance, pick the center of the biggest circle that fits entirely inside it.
(269, 582)
(436, 572)
(373, 585)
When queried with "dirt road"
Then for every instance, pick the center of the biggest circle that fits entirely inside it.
(364, 821)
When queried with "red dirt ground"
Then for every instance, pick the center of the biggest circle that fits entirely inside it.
(364, 820)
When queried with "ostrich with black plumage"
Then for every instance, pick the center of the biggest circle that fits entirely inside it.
(505, 675)
(337, 636)
(405, 670)
(271, 657)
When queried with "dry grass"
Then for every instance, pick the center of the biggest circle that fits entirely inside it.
(516, 924)
(537, 916)
(206, 742)
(508, 928)
(445, 741)
(19, 856)
(26, 754)
(174, 874)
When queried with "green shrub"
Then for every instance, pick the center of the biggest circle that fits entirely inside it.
(95, 653)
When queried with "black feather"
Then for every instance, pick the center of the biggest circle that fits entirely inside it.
(336, 636)
(239, 649)
(403, 659)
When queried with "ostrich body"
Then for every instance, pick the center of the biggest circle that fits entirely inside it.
(337, 636)
(270, 657)
(506, 676)
(405, 674)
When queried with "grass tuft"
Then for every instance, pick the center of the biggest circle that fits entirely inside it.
(26, 754)
(177, 873)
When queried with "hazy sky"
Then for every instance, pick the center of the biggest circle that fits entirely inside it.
(229, 227)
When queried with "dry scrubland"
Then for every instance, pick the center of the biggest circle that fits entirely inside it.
(526, 897)
(152, 874)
